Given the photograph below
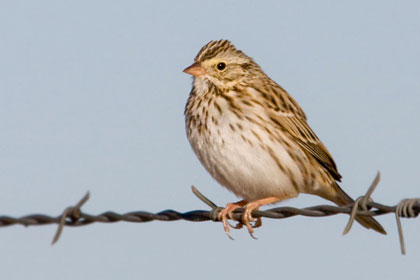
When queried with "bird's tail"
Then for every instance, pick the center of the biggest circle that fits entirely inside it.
(341, 198)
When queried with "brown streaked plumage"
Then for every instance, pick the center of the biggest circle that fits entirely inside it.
(253, 137)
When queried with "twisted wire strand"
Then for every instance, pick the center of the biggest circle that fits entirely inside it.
(73, 216)
(406, 209)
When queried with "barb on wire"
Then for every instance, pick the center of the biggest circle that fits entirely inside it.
(72, 212)
(361, 202)
(73, 216)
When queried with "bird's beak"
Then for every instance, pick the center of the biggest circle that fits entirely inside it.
(195, 69)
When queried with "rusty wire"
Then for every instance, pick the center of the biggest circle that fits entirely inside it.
(364, 205)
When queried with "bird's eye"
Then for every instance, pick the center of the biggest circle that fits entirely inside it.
(221, 66)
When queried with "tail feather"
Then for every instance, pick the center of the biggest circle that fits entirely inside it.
(371, 223)
(341, 199)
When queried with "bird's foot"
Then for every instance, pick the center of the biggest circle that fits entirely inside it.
(255, 205)
(227, 212)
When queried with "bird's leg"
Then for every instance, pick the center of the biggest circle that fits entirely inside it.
(227, 212)
(255, 205)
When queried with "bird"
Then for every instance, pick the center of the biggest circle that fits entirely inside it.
(253, 138)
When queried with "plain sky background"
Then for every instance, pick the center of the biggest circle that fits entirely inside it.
(92, 95)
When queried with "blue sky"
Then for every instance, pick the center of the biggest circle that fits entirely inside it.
(92, 95)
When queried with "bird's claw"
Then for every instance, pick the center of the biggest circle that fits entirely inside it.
(227, 213)
(247, 219)
(224, 215)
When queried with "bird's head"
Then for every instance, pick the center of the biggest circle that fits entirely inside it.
(221, 64)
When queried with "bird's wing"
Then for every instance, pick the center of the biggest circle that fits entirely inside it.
(298, 128)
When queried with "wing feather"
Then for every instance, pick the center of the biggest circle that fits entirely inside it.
(286, 113)
(298, 128)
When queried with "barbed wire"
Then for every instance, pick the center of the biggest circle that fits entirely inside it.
(73, 216)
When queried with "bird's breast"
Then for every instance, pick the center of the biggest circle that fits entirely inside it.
(239, 150)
